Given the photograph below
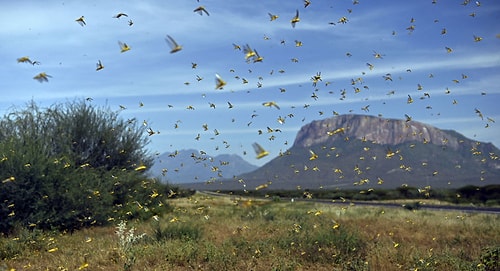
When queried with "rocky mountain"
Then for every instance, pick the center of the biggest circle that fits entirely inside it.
(377, 130)
(188, 166)
(362, 152)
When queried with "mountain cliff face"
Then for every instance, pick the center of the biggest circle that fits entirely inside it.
(362, 152)
(373, 129)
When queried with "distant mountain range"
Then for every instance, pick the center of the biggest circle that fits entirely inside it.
(362, 152)
(188, 166)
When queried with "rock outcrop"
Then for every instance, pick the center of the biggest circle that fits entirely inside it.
(374, 129)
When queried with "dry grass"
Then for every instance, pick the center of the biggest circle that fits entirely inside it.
(223, 233)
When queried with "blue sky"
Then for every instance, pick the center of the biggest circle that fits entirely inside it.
(148, 74)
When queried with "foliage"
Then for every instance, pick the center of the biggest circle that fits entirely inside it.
(240, 233)
(71, 166)
(174, 230)
(127, 239)
(487, 195)
(26, 240)
(475, 194)
(490, 258)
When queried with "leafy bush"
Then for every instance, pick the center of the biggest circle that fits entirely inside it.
(26, 240)
(71, 166)
(490, 258)
(179, 230)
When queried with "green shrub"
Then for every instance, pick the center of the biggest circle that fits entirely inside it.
(26, 241)
(177, 230)
(72, 166)
(490, 258)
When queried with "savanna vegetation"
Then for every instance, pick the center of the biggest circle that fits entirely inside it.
(204, 232)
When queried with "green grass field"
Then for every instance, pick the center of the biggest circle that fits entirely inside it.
(223, 233)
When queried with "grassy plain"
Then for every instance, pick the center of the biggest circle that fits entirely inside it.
(206, 232)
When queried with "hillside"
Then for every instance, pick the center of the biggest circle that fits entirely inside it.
(188, 166)
(357, 151)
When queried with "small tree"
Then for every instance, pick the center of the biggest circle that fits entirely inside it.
(70, 166)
